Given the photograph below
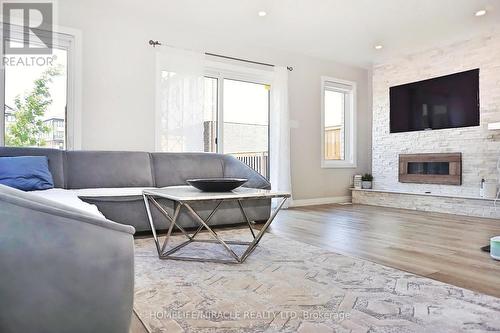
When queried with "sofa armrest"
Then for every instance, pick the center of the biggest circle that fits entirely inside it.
(232, 167)
(66, 270)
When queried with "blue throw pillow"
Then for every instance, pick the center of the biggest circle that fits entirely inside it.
(27, 173)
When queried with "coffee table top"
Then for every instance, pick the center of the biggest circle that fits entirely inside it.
(189, 193)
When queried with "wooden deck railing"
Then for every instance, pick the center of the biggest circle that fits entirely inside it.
(332, 143)
(259, 161)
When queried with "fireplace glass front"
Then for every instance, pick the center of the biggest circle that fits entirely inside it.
(429, 168)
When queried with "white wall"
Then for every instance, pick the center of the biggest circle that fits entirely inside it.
(118, 88)
(480, 149)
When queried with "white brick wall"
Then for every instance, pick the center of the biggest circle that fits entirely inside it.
(479, 149)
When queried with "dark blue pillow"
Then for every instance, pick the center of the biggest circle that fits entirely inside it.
(27, 173)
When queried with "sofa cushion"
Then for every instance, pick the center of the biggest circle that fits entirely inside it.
(102, 169)
(68, 198)
(27, 173)
(55, 158)
(110, 192)
(174, 168)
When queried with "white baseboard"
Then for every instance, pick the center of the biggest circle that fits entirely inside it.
(319, 201)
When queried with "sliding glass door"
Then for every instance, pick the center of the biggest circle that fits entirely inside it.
(212, 106)
(236, 120)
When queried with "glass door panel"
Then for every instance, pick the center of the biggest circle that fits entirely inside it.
(210, 115)
(334, 125)
(246, 123)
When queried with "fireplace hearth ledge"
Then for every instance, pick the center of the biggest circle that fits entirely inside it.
(428, 202)
(441, 195)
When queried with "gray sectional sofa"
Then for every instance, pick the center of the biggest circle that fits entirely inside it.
(113, 181)
(67, 270)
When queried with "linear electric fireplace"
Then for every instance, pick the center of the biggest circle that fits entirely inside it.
(431, 168)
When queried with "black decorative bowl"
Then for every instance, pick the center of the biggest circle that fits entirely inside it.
(217, 184)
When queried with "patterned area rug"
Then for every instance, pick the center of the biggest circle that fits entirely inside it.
(288, 286)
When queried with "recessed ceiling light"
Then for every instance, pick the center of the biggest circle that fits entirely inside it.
(378, 47)
(481, 12)
(262, 13)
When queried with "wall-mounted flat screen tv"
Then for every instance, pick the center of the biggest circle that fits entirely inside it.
(444, 102)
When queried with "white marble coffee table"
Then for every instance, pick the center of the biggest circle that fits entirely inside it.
(185, 196)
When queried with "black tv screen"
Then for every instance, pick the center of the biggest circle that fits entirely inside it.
(443, 102)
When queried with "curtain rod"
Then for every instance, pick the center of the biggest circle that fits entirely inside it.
(155, 43)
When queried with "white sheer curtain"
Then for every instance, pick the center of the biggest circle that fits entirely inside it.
(180, 96)
(280, 133)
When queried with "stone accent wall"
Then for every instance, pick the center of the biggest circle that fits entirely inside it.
(429, 203)
(480, 148)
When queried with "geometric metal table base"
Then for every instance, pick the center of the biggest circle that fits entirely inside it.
(204, 224)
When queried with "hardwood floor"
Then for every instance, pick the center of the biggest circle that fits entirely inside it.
(440, 246)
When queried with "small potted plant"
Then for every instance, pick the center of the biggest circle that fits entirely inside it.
(366, 181)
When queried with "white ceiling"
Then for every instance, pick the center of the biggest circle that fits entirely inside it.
(341, 30)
